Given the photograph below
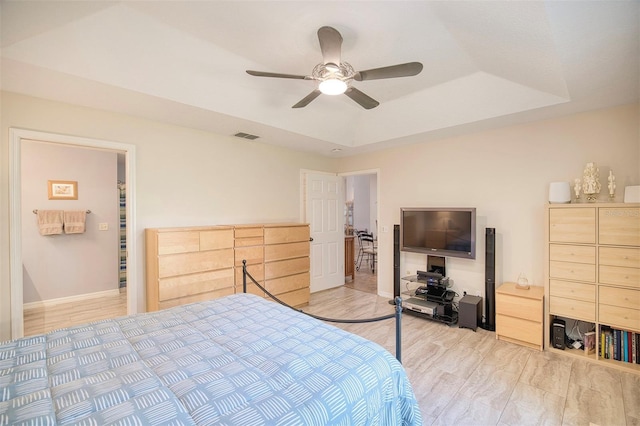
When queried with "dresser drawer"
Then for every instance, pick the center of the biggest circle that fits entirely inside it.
(621, 317)
(286, 234)
(617, 275)
(572, 271)
(519, 307)
(256, 271)
(569, 253)
(572, 225)
(287, 284)
(286, 251)
(519, 329)
(572, 290)
(622, 297)
(252, 255)
(178, 242)
(617, 256)
(217, 239)
(190, 263)
(571, 308)
(286, 267)
(296, 297)
(248, 232)
(189, 285)
(619, 226)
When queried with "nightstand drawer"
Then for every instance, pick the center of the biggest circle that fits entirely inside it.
(572, 290)
(572, 271)
(617, 275)
(570, 308)
(622, 317)
(622, 297)
(569, 253)
(519, 307)
(519, 329)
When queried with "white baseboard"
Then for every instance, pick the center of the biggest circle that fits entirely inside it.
(76, 298)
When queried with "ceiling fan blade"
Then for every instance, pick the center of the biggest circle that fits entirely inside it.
(393, 71)
(277, 75)
(330, 45)
(307, 99)
(365, 101)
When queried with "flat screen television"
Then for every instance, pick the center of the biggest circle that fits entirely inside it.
(447, 232)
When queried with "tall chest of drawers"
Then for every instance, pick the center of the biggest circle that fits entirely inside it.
(593, 269)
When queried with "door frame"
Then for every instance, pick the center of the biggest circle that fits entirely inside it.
(16, 135)
(368, 172)
(304, 172)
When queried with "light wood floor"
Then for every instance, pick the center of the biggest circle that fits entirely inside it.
(43, 320)
(364, 280)
(460, 377)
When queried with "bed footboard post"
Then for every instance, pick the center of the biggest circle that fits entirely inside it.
(398, 329)
(244, 275)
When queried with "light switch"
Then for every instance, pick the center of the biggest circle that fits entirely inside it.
(103, 226)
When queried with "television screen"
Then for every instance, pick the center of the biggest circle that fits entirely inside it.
(439, 231)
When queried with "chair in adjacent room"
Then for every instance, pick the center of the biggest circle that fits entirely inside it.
(368, 251)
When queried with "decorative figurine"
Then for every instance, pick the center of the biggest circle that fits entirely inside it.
(577, 187)
(591, 182)
(612, 185)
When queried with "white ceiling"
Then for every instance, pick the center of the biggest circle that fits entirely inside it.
(486, 63)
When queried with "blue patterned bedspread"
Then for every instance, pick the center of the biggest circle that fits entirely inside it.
(239, 360)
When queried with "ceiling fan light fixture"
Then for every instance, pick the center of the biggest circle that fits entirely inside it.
(333, 86)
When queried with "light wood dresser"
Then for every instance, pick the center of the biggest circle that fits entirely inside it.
(185, 265)
(593, 271)
(520, 315)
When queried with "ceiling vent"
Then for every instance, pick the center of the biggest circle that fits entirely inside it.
(246, 136)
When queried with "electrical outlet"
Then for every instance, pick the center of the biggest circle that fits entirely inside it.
(103, 227)
(478, 293)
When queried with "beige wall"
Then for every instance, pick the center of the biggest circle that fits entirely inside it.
(184, 176)
(505, 174)
(190, 177)
(65, 265)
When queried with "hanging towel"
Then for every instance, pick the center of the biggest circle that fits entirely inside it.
(50, 222)
(74, 221)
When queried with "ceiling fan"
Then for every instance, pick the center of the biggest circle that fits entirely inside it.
(335, 76)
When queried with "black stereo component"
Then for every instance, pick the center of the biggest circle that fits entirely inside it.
(558, 333)
(470, 312)
(396, 262)
(490, 279)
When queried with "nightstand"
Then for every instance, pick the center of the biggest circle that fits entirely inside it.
(519, 315)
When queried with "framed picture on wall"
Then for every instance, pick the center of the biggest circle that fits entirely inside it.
(63, 190)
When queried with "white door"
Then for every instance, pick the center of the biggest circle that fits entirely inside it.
(325, 215)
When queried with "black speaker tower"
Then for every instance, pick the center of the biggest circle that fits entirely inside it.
(396, 263)
(490, 279)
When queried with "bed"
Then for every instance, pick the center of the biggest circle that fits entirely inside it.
(238, 360)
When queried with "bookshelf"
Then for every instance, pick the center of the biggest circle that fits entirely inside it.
(593, 273)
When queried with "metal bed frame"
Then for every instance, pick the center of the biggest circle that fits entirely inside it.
(397, 315)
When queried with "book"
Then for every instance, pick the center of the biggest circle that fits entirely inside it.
(589, 342)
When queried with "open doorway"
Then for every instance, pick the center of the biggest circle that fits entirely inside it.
(28, 195)
(361, 201)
